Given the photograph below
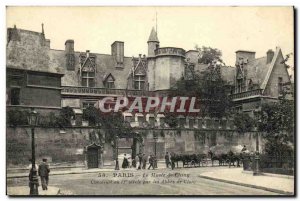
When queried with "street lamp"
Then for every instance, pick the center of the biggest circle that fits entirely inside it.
(256, 157)
(155, 137)
(117, 160)
(33, 179)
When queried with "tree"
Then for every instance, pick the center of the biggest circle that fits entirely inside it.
(207, 55)
(65, 116)
(17, 117)
(277, 124)
(91, 114)
(209, 88)
(243, 122)
(112, 123)
(116, 125)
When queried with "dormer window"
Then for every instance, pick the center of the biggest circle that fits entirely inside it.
(88, 79)
(109, 81)
(240, 85)
(87, 69)
(110, 84)
(139, 82)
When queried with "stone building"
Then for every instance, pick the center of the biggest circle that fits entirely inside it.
(32, 73)
(259, 80)
(49, 79)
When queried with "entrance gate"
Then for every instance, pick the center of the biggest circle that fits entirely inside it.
(93, 155)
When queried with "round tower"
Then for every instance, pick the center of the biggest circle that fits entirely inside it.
(169, 67)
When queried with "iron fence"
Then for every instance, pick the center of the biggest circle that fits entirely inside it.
(270, 164)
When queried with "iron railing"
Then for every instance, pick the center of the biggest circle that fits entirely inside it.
(246, 94)
(270, 164)
(78, 90)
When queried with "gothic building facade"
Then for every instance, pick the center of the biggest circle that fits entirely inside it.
(49, 79)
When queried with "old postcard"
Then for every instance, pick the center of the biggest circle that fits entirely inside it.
(167, 101)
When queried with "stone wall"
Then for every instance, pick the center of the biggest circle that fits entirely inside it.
(68, 146)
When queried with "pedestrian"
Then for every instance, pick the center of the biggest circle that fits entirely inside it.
(44, 173)
(144, 161)
(167, 159)
(151, 162)
(172, 161)
(125, 162)
(140, 161)
(137, 164)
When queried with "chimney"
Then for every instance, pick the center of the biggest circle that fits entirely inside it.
(87, 53)
(117, 51)
(244, 55)
(70, 55)
(69, 46)
(270, 55)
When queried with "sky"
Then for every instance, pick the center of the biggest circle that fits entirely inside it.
(226, 28)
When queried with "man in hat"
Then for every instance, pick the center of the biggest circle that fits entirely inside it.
(44, 173)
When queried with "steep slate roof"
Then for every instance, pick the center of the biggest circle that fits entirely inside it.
(29, 50)
(153, 36)
(228, 74)
(105, 65)
(271, 65)
(259, 71)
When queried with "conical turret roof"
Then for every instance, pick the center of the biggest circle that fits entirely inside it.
(153, 36)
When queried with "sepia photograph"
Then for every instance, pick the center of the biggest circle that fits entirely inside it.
(150, 101)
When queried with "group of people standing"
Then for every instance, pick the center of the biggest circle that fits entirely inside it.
(170, 160)
(140, 161)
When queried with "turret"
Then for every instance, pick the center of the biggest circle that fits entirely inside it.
(153, 43)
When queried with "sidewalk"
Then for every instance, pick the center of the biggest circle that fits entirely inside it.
(24, 191)
(78, 170)
(273, 183)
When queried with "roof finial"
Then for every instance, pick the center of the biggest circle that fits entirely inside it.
(43, 28)
(156, 22)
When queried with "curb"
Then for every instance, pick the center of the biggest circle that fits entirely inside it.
(271, 175)
(63, 173)
(249, 185)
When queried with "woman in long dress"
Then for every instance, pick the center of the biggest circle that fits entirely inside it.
(125, 162)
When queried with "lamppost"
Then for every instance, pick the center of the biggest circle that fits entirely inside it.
(256, 157)
(117, 153)
(155, 137)
(33, 179)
